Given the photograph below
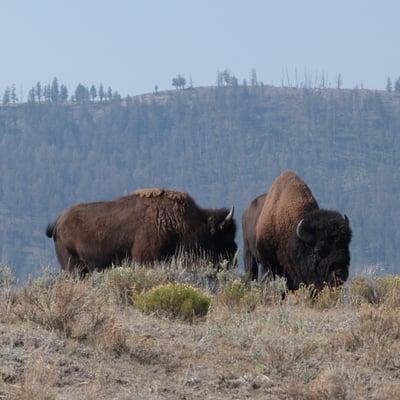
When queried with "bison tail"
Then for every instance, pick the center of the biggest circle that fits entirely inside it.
(50, 230)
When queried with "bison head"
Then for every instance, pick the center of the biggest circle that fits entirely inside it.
(320, 248)
(218, 238)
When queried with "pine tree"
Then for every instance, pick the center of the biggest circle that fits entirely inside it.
(220, 79)
(389, 86)
(7, 96)
(101, 93)
(109, 93)
(397, 85)
(254, 81)
(47, 93)
(32, 95)
(38, 91)
(14, 98)
(339, 81)
(116, 96)
(234, 81)
(54, 91)
(179, 82)
(93, 93)
(63, 94)
(81, 94)
(226, 77)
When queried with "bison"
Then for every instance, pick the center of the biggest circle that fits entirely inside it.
(145, 226)
(286, 232)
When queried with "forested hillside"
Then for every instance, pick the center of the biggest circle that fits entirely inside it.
(224, 145)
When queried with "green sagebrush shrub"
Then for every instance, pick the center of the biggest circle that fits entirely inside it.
(174, 300)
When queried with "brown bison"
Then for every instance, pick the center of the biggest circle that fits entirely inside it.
(145, 226)
(287, 233)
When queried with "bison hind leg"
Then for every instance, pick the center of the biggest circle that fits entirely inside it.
(69, 261)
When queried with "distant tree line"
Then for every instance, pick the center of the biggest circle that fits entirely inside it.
(59, 93)
(390, 87)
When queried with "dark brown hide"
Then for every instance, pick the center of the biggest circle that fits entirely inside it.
(315, 253)
(249, 221)
(145, 226)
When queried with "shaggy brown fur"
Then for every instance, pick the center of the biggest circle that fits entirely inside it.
(323, 258)
(147, 225)
(249, 221)
(156, 192)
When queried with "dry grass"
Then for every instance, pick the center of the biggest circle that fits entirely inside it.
(375, 290)
(6, 292)
(75, 308)
(120, 284)
(37, 382)
(66, 338)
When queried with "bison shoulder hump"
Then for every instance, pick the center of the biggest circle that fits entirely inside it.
(150, 192)
(156, 192)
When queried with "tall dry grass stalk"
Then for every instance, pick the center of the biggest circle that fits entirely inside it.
(38, 381)
(7, 293)
(74, 308)
(375, 290)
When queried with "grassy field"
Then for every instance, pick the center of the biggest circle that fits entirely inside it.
(136, 333)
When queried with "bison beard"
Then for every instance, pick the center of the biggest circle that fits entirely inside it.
(146, 226)
(290, 236)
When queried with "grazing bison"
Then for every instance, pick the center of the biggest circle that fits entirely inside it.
(290, 236)
(145, 226)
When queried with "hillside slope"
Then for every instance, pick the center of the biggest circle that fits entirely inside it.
(224, 145)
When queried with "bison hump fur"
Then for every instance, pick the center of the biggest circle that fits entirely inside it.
(156, 192)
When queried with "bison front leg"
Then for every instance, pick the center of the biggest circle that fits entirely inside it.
(266, 269)
(250, 265)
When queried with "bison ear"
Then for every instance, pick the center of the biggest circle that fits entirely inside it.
(228, 218)
(302, 233)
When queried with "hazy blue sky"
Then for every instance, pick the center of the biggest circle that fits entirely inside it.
(133, 45)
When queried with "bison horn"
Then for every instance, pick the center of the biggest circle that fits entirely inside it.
(302, 234)
(346, 219)
(228, 217)
(230, 214)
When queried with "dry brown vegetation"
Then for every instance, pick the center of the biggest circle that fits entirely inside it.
(64, 338)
